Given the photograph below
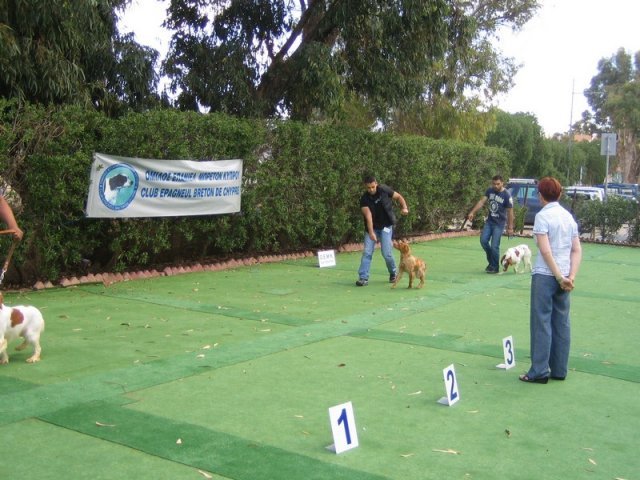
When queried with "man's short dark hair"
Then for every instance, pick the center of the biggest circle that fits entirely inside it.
(368, 178)
(497, 177)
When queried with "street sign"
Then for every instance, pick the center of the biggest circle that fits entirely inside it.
(608, 145)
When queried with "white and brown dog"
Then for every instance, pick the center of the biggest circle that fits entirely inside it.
(21, 321)
(515, 256)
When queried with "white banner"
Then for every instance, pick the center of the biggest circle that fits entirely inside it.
(136, 187)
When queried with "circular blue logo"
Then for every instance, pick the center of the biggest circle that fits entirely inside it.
(118, 186)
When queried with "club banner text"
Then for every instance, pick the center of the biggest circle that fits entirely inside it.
(122, 187)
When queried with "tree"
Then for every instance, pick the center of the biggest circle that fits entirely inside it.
(62, 52)
(131, 80)
(472, 73)
(587, 155)
(463, 120)
(614, 97)
(521, 135)
(317, 58)
(534, 156)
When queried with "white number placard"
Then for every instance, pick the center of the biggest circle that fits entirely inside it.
(509, 353)
(451, 386)
(343, 427)
(326, 258)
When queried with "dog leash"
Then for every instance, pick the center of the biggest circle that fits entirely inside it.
(13, 246)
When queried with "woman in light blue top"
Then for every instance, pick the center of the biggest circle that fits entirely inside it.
(554, 272)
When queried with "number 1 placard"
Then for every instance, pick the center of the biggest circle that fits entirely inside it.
(343, 427)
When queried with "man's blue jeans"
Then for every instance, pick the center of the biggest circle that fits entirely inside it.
(550, 327)
(385, 237)
(490, 241)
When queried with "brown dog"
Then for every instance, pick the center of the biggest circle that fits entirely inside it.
(408, 263)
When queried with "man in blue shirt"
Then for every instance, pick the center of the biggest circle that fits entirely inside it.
(500, 212)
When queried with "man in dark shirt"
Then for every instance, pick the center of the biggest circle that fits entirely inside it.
(500, 207)
(376, 205)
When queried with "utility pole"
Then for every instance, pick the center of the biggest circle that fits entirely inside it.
(573, 84)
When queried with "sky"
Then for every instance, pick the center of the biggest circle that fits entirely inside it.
(558, 51)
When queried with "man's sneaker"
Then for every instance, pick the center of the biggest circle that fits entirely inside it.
(491, 270)
(363, 282)
(392, 277)
(488, 268)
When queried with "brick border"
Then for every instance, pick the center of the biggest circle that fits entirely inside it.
(108, 279)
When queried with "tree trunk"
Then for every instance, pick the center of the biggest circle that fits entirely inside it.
(627, 153)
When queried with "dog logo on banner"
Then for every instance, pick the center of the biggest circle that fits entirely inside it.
(118, 186)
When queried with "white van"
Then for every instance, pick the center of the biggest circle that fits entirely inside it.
(580, 192)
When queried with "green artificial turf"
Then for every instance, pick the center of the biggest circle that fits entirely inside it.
(230, 374)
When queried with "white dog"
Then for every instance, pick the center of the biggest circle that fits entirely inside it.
(21, 321)
(515, 256)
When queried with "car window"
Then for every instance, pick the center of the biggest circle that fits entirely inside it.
(580, 195)
(526, 193)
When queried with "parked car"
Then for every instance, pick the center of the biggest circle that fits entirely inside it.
(625, 196)
(582, 192)
(575, 195)
(525, 192)
(629, 191)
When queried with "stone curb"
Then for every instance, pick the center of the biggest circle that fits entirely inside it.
(108, 279)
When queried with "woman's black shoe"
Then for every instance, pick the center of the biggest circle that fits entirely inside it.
(525, 378)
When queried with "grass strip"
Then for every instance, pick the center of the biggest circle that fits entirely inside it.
(196, 446)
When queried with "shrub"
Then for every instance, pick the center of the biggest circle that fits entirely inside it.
(605, 218)
(301, 185)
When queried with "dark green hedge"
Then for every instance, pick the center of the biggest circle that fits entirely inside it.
(301, 186)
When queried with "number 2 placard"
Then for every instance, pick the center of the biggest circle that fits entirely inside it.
(451, 386)
(343, 427)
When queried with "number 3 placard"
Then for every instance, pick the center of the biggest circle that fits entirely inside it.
(343, 427)
(509, 353)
